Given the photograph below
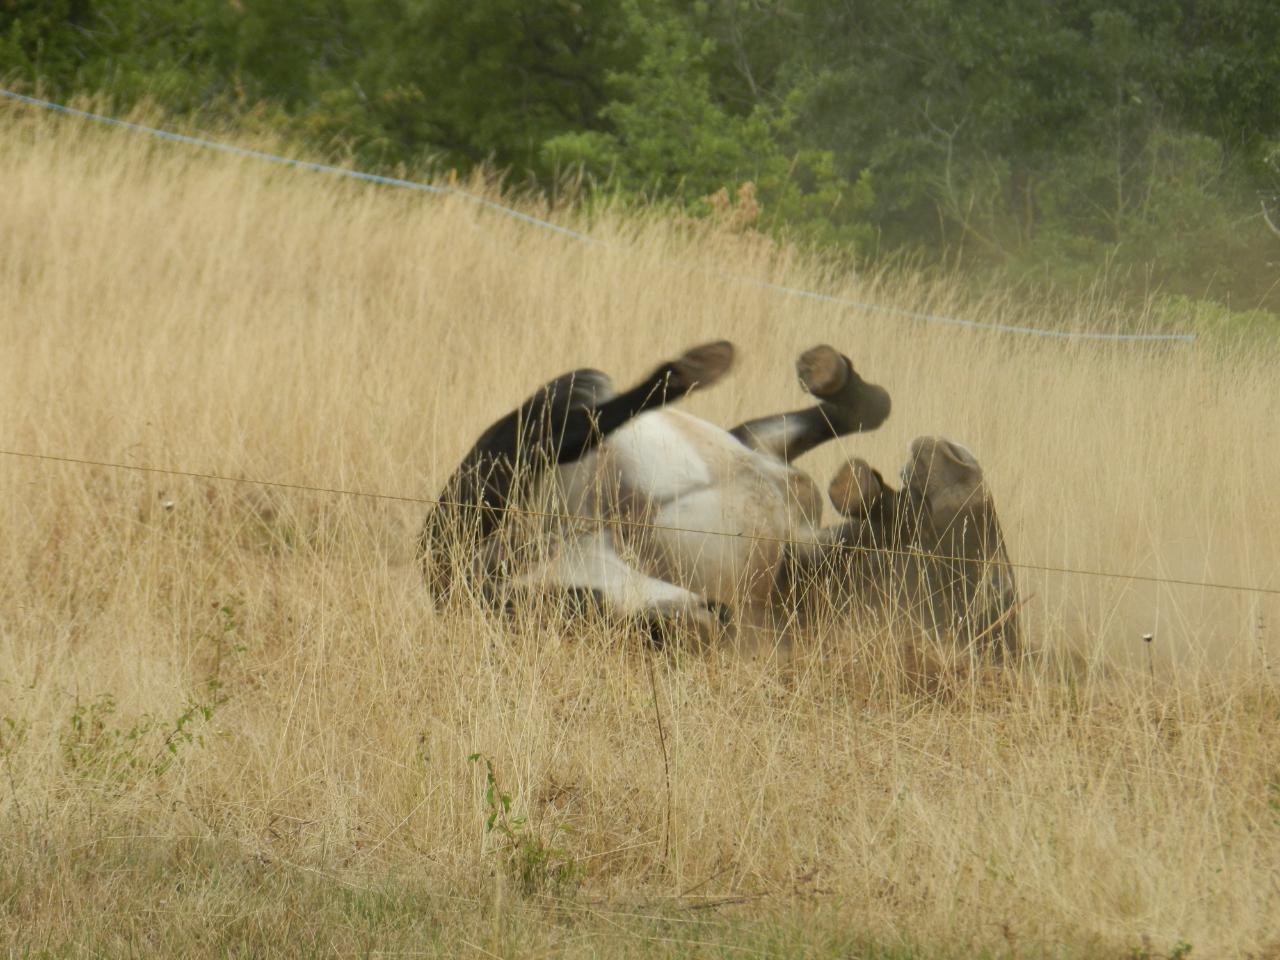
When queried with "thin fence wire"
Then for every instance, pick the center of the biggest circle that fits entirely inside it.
(397, 182)
(635, 524)
(578, 235)
(312, 166)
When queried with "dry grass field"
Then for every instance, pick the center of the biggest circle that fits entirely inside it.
(231, 722)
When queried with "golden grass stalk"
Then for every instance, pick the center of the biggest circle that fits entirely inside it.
(185, 664)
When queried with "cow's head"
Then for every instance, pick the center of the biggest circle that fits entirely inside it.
(934, 546)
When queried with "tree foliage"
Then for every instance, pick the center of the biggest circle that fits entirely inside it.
(1039, 140)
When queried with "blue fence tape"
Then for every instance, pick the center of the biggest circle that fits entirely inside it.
(566, 231)
(291, 162)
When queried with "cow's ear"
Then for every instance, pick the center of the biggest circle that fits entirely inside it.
(855, 488)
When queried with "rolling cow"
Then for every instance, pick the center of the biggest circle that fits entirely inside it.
(622, 503)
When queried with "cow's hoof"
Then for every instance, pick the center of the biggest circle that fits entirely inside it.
(855, 488)
(703, 365)
(699, 625)
(822, 371)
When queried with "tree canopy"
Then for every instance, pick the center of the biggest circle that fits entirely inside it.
(1040, 141)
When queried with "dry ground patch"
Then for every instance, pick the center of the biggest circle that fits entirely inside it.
(230, 719)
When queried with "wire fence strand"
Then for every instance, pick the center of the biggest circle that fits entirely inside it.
(397, 182)
(578, 235)
(632, 523)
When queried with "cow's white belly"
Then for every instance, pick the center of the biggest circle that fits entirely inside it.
(689, 504)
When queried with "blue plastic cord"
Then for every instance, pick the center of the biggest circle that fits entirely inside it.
(565, 231)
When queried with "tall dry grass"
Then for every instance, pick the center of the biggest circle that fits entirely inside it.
(185, 662)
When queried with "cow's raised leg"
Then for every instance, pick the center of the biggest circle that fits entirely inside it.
(966, 562)
(853, 561)
(846, 404)
(562, 421)
(936, 546)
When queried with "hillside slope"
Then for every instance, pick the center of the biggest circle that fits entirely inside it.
(188, 665)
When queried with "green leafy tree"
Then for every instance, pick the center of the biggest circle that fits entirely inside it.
(1011, 136)
(477, 81)
(669, 136)
(125, 48)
